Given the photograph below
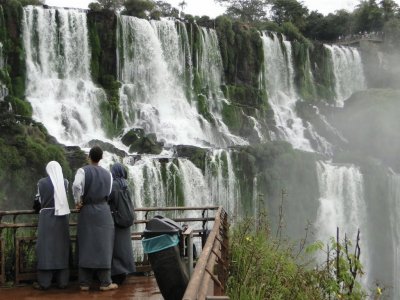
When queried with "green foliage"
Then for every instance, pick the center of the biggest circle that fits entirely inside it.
(167, 10)
(263, 268)
(293, 11)
(102, 38)
(368, 16)
(202, 108)
(292, 32)
(241, 51)
(231, 116)
(392, 33)
(20, 107)
(106, 4)
(138, 8)
(24, 152)
(246, 10)
(324, 78)
(112, 117)
(339, 275)
(95, 6)
(303, 77)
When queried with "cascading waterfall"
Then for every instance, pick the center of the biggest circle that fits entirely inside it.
(348, 72)
(342, 204)
(152, 62)
(210, 70)
(279, 82)
(221, 181)
(59, 86)
(3, 88)
(179, 182)
(209, 66)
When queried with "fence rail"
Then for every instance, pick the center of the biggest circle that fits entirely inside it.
(212, 264)
(213, 255)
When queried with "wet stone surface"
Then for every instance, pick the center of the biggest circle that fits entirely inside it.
(135, 287)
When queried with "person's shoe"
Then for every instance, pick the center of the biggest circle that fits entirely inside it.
(111, 286)
(84, 288)
(37, 286)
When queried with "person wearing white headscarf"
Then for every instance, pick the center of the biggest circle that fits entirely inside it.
(53, 241)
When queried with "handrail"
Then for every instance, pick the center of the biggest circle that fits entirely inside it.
(214, 252)
(144, 209)
(14, 224)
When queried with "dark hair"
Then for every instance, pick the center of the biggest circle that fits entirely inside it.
(95, 154)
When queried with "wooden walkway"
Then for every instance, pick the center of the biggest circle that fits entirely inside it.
(135, 287)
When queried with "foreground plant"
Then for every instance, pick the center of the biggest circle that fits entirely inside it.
(264, 267)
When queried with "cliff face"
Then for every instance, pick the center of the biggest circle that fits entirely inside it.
(241, 51)
(25, 145)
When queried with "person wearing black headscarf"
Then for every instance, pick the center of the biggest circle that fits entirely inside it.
(123, 260)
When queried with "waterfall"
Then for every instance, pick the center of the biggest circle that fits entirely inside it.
(348, 72)
(279, 82)
(210, 71)
(3, 88)
(179, 182)
(152, 67)
(209, 65)
(342, 204)
(58, 85)
(221, 181)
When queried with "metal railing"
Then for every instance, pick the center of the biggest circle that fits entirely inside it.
(214, 256)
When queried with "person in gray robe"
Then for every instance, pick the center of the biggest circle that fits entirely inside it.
(123, 262)
(95, 232)
(53, 241)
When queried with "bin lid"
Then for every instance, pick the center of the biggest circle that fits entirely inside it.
(159, 243)
(160, 224)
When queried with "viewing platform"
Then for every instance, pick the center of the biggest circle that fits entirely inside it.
(135, 288)
(356, 40)
(206, 228)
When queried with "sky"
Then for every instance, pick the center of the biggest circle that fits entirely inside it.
(210, 8)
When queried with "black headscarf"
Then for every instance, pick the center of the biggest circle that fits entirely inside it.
(119, 174)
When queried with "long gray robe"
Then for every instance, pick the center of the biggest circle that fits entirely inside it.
(53, 242)
(123, 261)
(95, 223)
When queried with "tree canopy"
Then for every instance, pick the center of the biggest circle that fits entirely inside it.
(246, 10)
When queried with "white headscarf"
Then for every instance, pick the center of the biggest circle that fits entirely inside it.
(61, 206)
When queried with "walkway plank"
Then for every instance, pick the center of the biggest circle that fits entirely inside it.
(135, 287)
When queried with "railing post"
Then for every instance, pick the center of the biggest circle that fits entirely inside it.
(189, 247)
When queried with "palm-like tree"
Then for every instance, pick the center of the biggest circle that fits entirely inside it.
(182, 5)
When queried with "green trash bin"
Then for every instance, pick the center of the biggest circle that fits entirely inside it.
(161, 243)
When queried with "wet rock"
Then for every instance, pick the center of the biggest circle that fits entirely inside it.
(195, 154)
(141, 143)
(107, 147)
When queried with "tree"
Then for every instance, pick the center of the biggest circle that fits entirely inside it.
(106, 4)
(246, 10)
(289, 11)
(182, 5)
(138, 8)
(392, 33)
(167, 10)
(368, 16)
(390, 8)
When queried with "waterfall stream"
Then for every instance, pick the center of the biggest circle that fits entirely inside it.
(158, 68)
(342, 205)
(348, 72)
